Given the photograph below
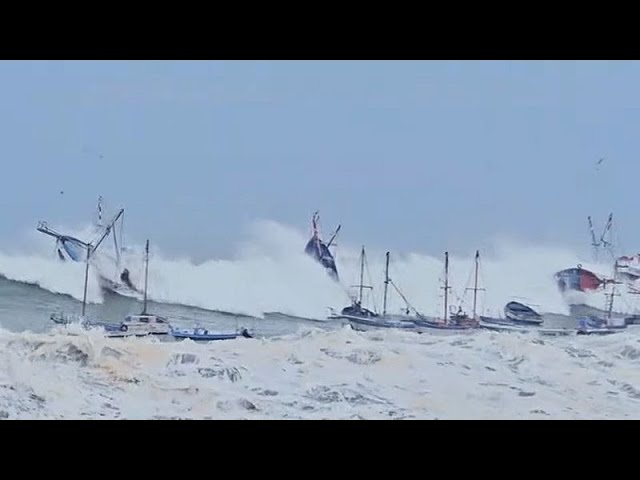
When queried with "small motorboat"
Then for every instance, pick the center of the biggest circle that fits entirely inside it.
(138, 326)
(598, 326)
(202, 334)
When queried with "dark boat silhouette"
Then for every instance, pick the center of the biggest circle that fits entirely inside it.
(319, 250)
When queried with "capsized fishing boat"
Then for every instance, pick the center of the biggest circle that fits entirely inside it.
(363, 319)
(319, 250)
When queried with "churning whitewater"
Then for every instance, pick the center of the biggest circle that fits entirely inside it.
(340, 374)
(300, 364)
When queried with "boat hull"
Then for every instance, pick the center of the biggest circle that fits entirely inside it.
(362, 324)
(578, 279)
(435, 325)
(503, 325)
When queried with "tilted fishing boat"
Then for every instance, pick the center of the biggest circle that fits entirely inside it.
(319, 250)
(71, 248)
(142, 324)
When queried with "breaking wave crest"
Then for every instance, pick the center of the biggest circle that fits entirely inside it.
(270, 273)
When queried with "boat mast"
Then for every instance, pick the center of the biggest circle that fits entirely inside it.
(386, 286)
(115, 244)
(86, 281)
(475, 285)
(146, 277)
(613, 293)
(361, 274)
(594, 243)
(446, 284)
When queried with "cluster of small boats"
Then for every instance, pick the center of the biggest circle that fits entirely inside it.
(518, 317)
(70, 248)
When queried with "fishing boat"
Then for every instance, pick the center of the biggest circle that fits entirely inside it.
(71, 248)
(458, 321)
(578, 279)
(319, 250)
(363, 319)
(204, 335)
(144, 323)
(60, 318)
(597, 325)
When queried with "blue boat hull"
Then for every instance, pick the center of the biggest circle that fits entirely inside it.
(206, 336)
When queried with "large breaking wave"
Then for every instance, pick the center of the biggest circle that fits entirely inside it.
(269, 272)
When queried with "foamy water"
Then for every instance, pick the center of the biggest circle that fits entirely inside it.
(339, 374)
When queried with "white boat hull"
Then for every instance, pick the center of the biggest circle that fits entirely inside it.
(368, 324)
